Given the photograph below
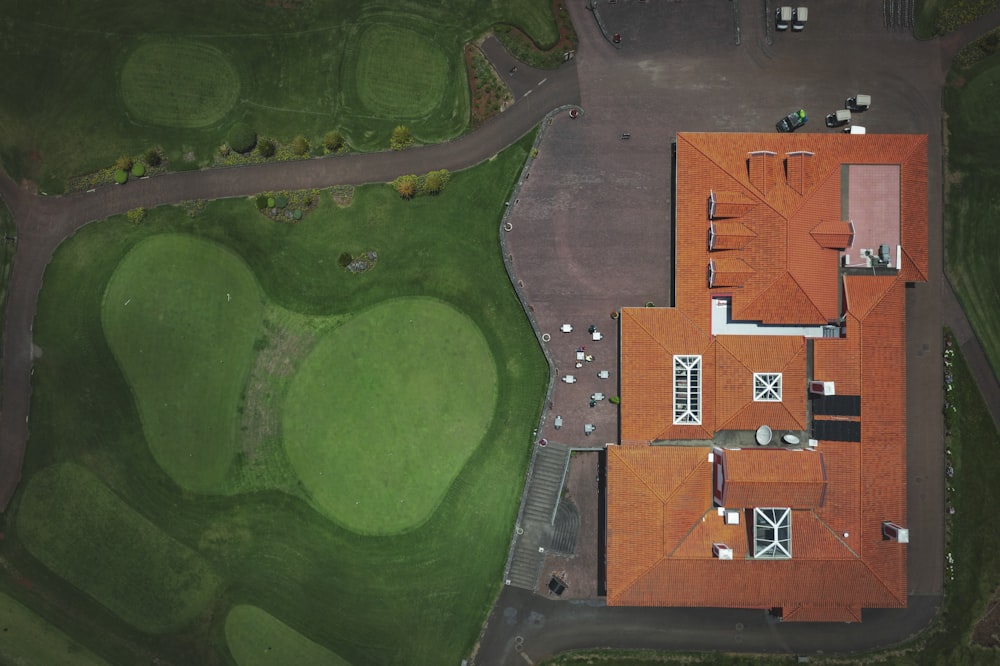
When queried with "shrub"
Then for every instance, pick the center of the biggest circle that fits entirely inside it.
(615, 400)
(435, 181)
(270, 202)
(137, 215)
(124, 163)
(300, 145)
(297, 213)
(265, 148)
(152, 157)
(121, 176)
(345, 259)
(242, 138)
(406, 186)
(281, 201)
(401, 138)
(261, 201)
(333, 141)
(138, 170)
(534, 153)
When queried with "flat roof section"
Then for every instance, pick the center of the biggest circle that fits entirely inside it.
(872, 198)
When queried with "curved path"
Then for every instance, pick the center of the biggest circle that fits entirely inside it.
(43, 223)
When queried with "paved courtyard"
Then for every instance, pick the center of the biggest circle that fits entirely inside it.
(592, 227)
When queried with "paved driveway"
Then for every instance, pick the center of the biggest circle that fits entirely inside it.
(591, 233)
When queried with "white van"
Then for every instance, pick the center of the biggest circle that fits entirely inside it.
(782, 17)
(799, 18)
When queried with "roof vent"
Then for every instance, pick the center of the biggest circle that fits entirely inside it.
(822, 388)
(895, 532)
(722, 551)
(732, 517)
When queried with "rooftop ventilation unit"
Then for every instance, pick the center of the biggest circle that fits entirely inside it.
(732, 517)
(722, 551)
(895, 532)
(822, 388)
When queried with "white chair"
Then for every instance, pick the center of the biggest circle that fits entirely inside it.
(580, 355)
(569, 379)
(566, 328)
(598, 335)
(603, 374)
(597, 396)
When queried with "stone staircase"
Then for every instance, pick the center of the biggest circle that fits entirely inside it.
(533, 533)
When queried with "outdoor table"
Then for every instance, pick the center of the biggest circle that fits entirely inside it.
(603, 374)
(569, 379)
(598, 335)
(566, 328)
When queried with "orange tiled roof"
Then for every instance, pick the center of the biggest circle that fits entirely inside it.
(773, 478)
(777, 255)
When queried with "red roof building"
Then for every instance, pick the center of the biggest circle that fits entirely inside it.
(762, 461)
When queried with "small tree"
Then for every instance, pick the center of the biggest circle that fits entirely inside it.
(152, 157)
(406, 186)
(242, 138)
(333, 141)
(138, 170)
(261, 201)
(121, 176)
(265, 148)
(300, 145)
(137, 215)
(401, 138)
(124, 163)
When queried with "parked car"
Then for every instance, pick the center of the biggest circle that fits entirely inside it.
(838, 118)
(782, 17)
(855, 129)
(858, 103)
(792, 121)
(799, 18)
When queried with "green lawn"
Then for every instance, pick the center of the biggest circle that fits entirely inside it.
(178, 83)
(181, 316)
(28, 640)
(7, 230)
(86, 534)
(256, 638)
(84, 84)
(972, 237)
(418, 597)
(386, 410)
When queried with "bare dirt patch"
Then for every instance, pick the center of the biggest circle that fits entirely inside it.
(987, 630)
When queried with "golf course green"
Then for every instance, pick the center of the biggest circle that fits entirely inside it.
(181, 315)
(386, 410)
(255, 638)
(224, 422)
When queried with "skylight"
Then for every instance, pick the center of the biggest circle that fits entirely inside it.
(772, 534)
(767, 387)
(687, 390)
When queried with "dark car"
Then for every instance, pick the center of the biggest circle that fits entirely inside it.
(792, 121)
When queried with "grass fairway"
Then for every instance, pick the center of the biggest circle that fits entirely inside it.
(112, 553)
(85, 83)
(972, 237)
(386, 410)
(408, 599)
(394, 85)
(255, 638)
(178, 83)
(181, 316)
(28, 640)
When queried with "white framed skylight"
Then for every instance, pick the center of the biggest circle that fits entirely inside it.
(772, 534)
(687, 390)
(767, 387)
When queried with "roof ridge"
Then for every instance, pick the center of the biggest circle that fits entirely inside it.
(625, 588)
(873, 304)
(641, 480)
(835, 533)
(804, 292)
(684, 538)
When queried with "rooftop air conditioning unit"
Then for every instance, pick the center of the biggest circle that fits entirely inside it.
(895, 532)
(822, 388)
(732, 517)
(722, 551)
